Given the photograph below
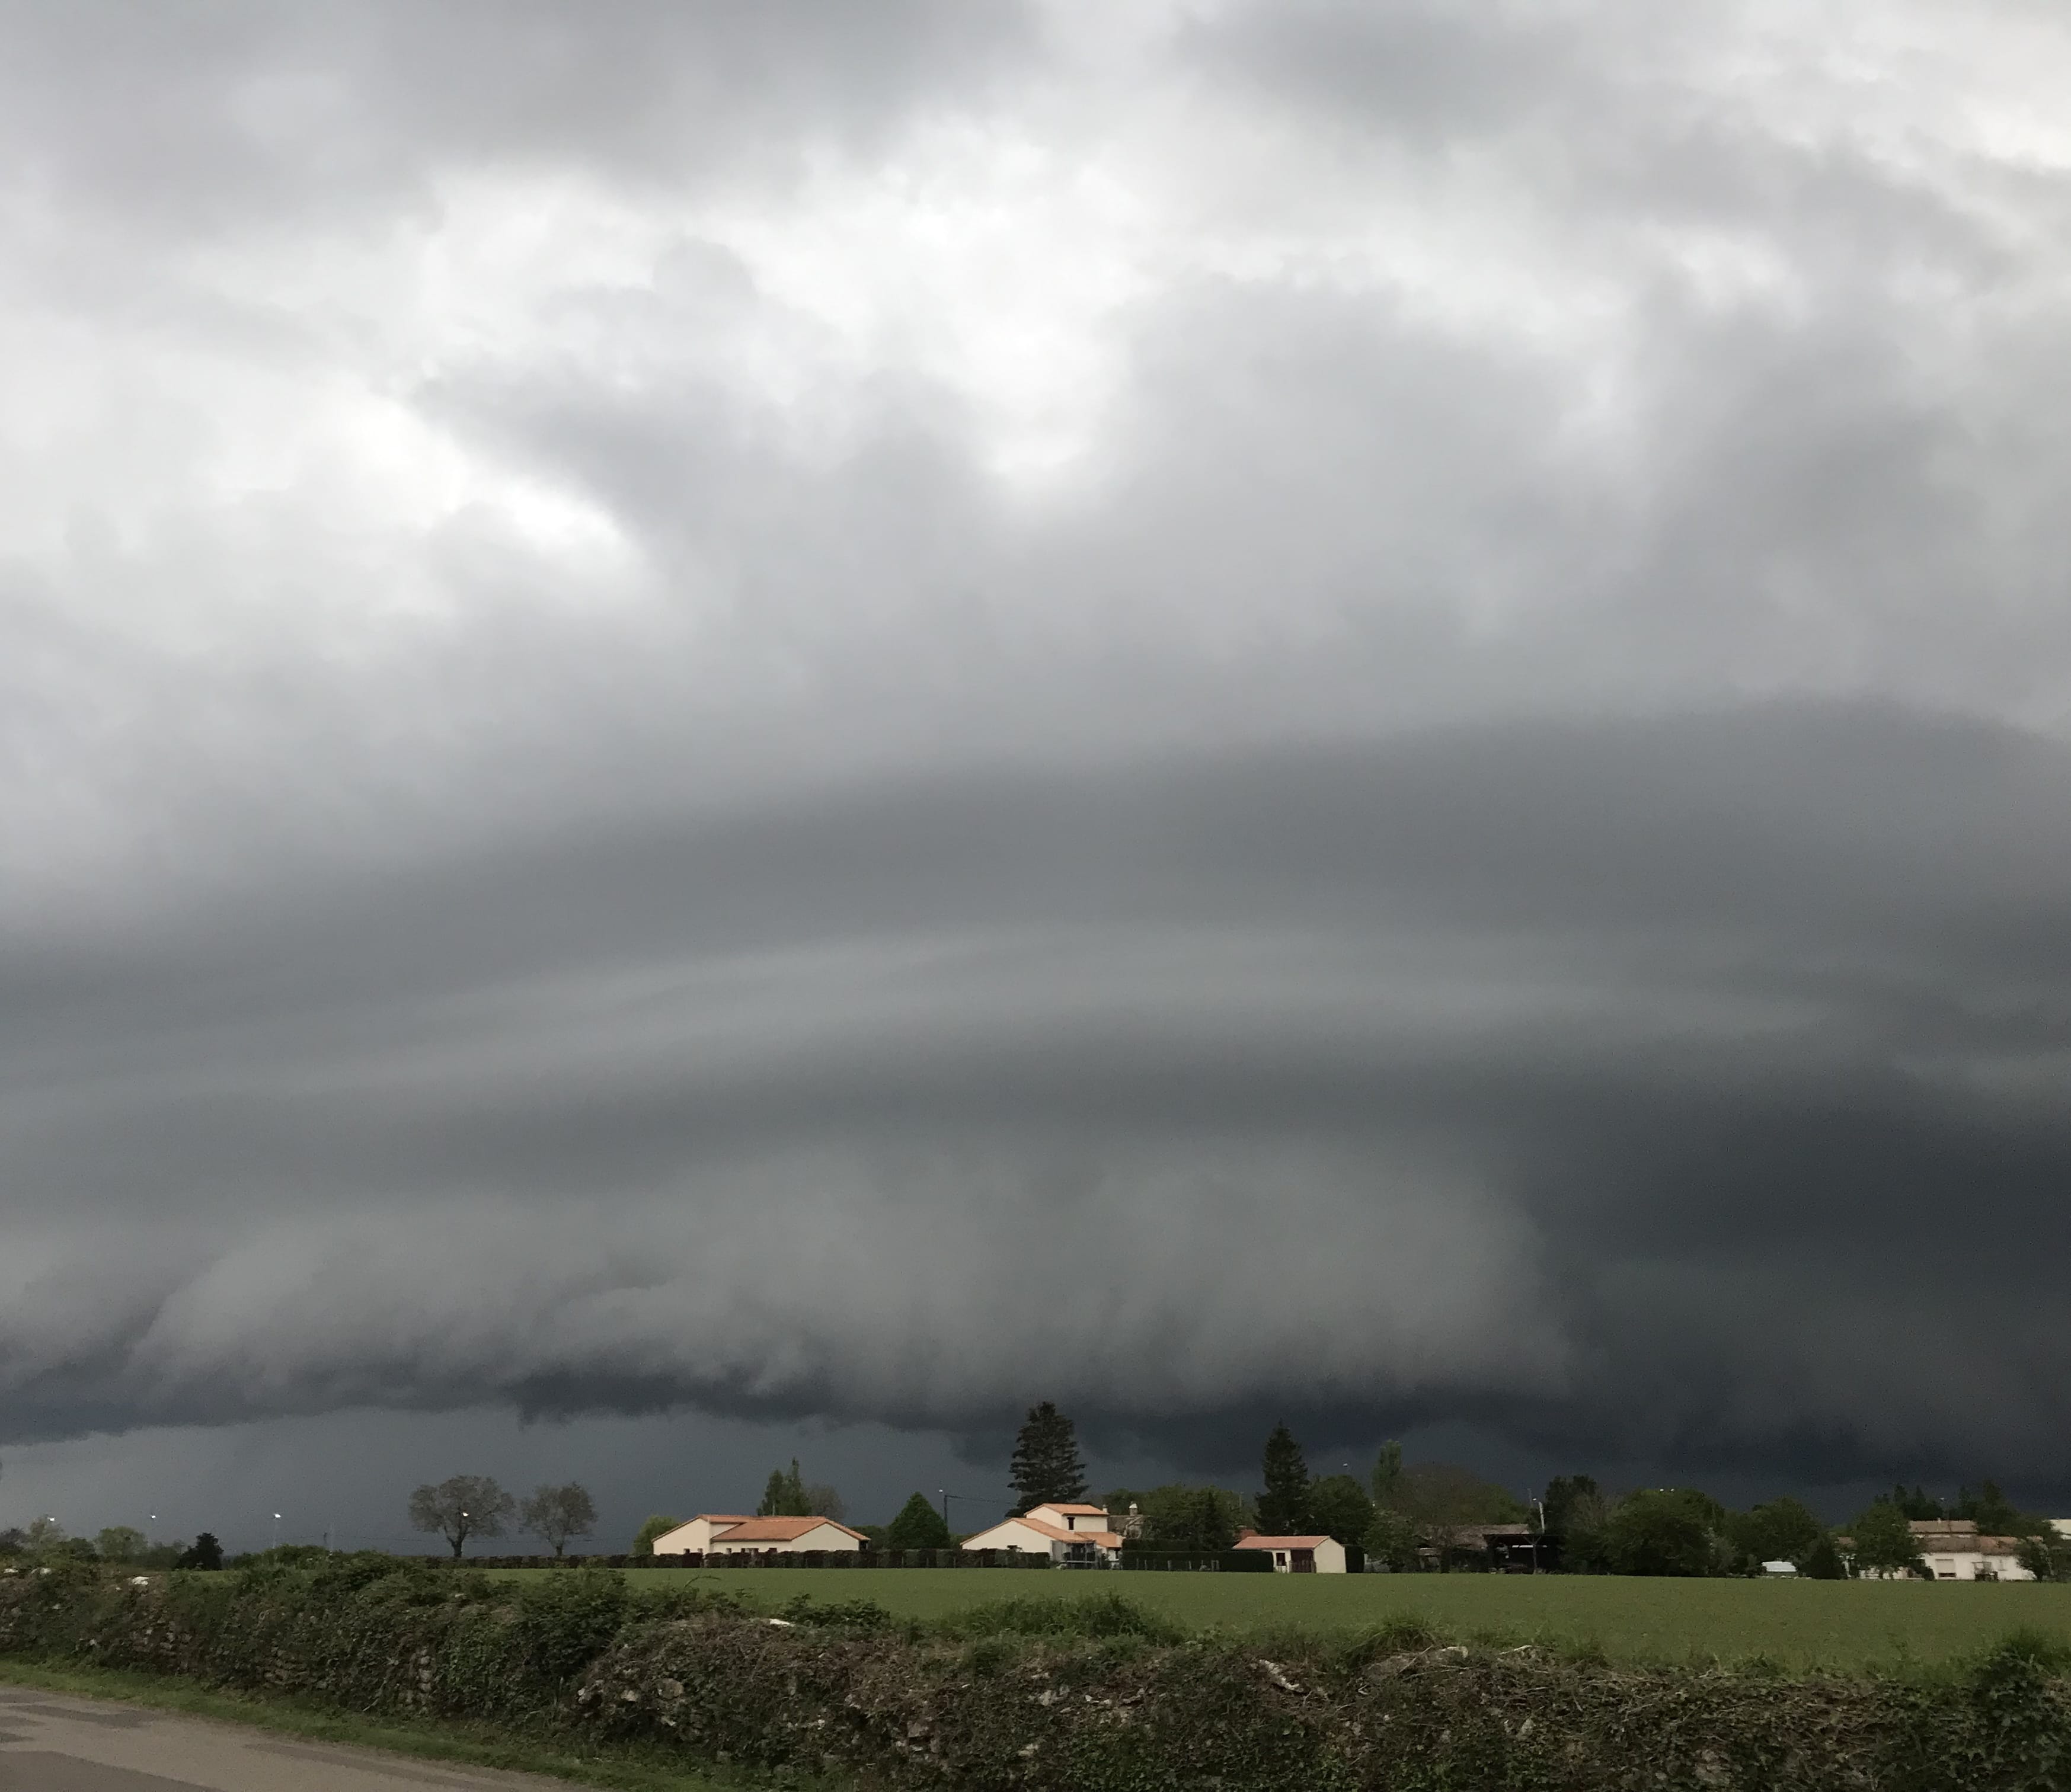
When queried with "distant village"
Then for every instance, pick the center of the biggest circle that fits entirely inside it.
(1398, 1518)
(1404, 1518)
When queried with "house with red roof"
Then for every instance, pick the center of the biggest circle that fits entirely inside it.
(1071, 1535)
(1298, 1555)
(731, 1533)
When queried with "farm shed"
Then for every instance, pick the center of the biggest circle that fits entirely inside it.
(1298, 1555)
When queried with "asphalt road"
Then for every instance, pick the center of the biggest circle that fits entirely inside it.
(50, 1742)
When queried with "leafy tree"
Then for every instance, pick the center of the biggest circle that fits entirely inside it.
(1916, 1504)
(1047, 1469)
(917, 1526)
(1784, 1530)
(203, 1553)
(1585, 1544)
(1566, 1496)
(557, 1514)
(1283, 1508)
(2047, 1557)
(1386, 1479)
(13, 1541)
(1440, 1495)
(1182, 1517)
(1662, 1530)
(461, 1507)
(1391, 1539)
(1822, 1561)
(785, 1495)
(121, 1543)
(659, 1526)
(42, 1534)
(1339, 1507)
(1884, 1543)
(1996, 1515)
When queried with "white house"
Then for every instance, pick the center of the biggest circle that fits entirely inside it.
(1954, 1551)
(1074, 1536)
(731, 1533)
(1298, 1555)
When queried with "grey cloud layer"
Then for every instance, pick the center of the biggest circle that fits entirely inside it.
(1600, 1083)
(1492, 844)
(204, 118)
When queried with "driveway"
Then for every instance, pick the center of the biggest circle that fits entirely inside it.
(51, 1742)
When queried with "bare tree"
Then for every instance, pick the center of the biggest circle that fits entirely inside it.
(462, 1507)
(558, 1514)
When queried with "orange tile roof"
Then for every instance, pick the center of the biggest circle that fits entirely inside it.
(722, 1518)
(1254, 1541)
(1044, 1527)
(777, 1530)
(1098, 1511)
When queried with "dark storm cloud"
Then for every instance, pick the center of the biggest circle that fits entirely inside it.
(1599, 1082)
(1489, 841)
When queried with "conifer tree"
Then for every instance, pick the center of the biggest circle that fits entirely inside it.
(1283, 1508)
(1213, 1529)
(1047, 1468)
(785, 1496)
(918, 1526)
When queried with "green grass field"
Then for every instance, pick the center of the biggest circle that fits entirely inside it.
(1796, 1623)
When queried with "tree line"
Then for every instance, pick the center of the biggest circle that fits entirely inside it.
(1407, 1516)
(1403, 1516)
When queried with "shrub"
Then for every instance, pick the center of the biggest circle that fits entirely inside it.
(1101, 1615)
(1071, 1696)
(659, 1525)
(1659, 1531)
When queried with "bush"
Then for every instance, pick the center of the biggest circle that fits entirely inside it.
(1659, 1531)
(659, 1525)
(1089, 1694)
(564, 1621)
(1101, 1615)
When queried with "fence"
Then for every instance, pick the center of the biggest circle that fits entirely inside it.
(778, 1558)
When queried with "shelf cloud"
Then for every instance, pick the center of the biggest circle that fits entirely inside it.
(1205, 709)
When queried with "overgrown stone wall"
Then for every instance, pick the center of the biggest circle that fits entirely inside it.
(1108, 1701)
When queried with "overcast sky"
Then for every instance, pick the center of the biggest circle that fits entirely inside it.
(740, 725)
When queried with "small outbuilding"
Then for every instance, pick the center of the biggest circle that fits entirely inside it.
(1298, 1555)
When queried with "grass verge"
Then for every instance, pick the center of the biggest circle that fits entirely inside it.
(470, 1745)
(1803, 1626)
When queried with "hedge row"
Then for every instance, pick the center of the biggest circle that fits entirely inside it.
(768, 1558)
(981, 1703)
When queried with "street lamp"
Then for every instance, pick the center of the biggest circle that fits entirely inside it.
(277, 1529)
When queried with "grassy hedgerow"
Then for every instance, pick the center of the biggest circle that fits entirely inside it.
(1087, 1695)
